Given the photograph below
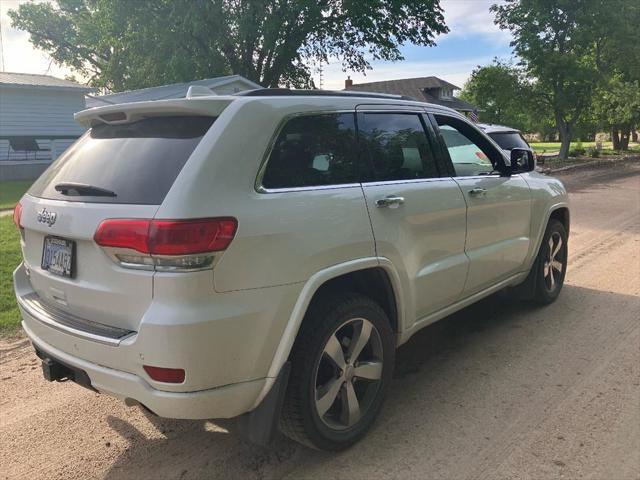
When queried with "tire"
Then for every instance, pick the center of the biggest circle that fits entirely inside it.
(319, 407)
(550, 267)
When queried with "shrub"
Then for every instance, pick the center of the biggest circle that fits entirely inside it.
(593, 152)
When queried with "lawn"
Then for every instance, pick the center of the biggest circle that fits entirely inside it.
(543, 147)
(10, 192)
(9, 260)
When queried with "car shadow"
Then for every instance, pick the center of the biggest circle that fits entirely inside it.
(458, 386)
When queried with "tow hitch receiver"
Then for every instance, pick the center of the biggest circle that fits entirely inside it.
(56, 371)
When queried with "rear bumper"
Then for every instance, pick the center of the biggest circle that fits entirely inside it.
(224, 342)
(222, 402)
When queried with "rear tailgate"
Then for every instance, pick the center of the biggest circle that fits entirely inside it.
(99, 290)
(119, 169)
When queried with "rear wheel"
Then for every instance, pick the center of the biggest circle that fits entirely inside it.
(551, 265)
(342, 363)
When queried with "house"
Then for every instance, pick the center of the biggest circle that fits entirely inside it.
(220, 85)
(423, 89)
(36, 122)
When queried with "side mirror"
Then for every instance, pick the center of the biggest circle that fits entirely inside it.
(522, 160)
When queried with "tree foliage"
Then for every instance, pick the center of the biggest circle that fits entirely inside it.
(501, 95)
(124, 44)
(556, 41)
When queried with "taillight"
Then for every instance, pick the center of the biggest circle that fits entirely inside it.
(17, 215)
(165, 244)
(166, 375)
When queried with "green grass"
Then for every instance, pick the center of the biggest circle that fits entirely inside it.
(9, 260)
(607, 147)
(10, 192)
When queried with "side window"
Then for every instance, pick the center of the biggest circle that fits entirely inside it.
(313, 150)
(397, 145)
(470, 153)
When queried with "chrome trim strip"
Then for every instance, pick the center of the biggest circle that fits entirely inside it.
(379, 183)
(66, 322)
(305, 189)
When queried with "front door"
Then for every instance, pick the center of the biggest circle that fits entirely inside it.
(417, 210)
(498, 206)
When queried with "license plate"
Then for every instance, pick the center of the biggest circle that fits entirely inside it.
(57, 256)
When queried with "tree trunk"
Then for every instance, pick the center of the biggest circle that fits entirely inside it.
(564, 129)
(615, 138)
(634, 136)
(624, 137)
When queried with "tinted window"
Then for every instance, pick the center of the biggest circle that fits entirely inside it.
(138, 161)
(470, 153)
(509, 140)
(397, 146)
(313, 150)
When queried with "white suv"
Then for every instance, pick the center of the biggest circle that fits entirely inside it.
(262, 255)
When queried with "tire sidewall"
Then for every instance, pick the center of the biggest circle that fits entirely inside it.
(543, 292)
(320, 434)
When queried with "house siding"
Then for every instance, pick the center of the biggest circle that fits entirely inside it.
(39, 112)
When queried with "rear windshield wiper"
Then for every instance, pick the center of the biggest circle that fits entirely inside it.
(81, 189)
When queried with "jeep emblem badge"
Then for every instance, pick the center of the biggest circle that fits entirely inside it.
(47, 217)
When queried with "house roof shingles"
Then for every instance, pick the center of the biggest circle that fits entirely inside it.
(174, 90)
(39, 81)
(417, 88)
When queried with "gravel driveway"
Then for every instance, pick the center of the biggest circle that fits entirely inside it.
(499, 390)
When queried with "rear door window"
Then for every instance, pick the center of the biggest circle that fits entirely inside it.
(509, 140)
(138, 162)
(397, 145)
(313, 150)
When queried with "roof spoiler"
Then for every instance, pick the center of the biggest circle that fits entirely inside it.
(209, 106)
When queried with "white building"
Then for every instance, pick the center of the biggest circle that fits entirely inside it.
(36, 121)
(36, 115)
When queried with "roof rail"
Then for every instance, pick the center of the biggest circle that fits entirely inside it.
(286, 92)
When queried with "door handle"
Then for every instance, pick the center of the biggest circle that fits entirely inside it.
(477, 192)
(390, 201)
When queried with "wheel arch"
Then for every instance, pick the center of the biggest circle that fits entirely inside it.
(352, 273)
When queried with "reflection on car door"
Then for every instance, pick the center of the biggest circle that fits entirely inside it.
(418, 215)
(498, 207)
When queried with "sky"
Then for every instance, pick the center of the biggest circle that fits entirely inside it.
(473, 40)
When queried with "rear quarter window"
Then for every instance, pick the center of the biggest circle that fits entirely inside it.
(138, 161)
(313, 150)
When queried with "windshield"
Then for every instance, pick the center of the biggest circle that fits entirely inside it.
(509, 140)
(134, 163)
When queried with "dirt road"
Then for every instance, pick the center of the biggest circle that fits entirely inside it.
(499, 390)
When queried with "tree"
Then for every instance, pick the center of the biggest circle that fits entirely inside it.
(617, 108)
(556, 42)
(123, 44)
(503, 96)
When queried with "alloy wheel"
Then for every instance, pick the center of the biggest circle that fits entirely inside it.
(554, 263)
(348, 374)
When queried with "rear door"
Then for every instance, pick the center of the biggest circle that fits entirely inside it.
(498, 206)
(113, 171)
(417, 211)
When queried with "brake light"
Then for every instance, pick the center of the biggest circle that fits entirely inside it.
(17, 215)
(166, 244)
(166, 375)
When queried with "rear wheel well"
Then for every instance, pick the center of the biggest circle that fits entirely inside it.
(562, 215)
(371, 282)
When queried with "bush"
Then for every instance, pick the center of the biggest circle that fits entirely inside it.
(577, 152)
(593, 152)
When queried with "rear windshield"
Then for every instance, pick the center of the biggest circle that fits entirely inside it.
(509, 140)
(131, 163)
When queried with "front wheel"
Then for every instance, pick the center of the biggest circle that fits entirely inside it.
(342, 364)
(551, 265)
